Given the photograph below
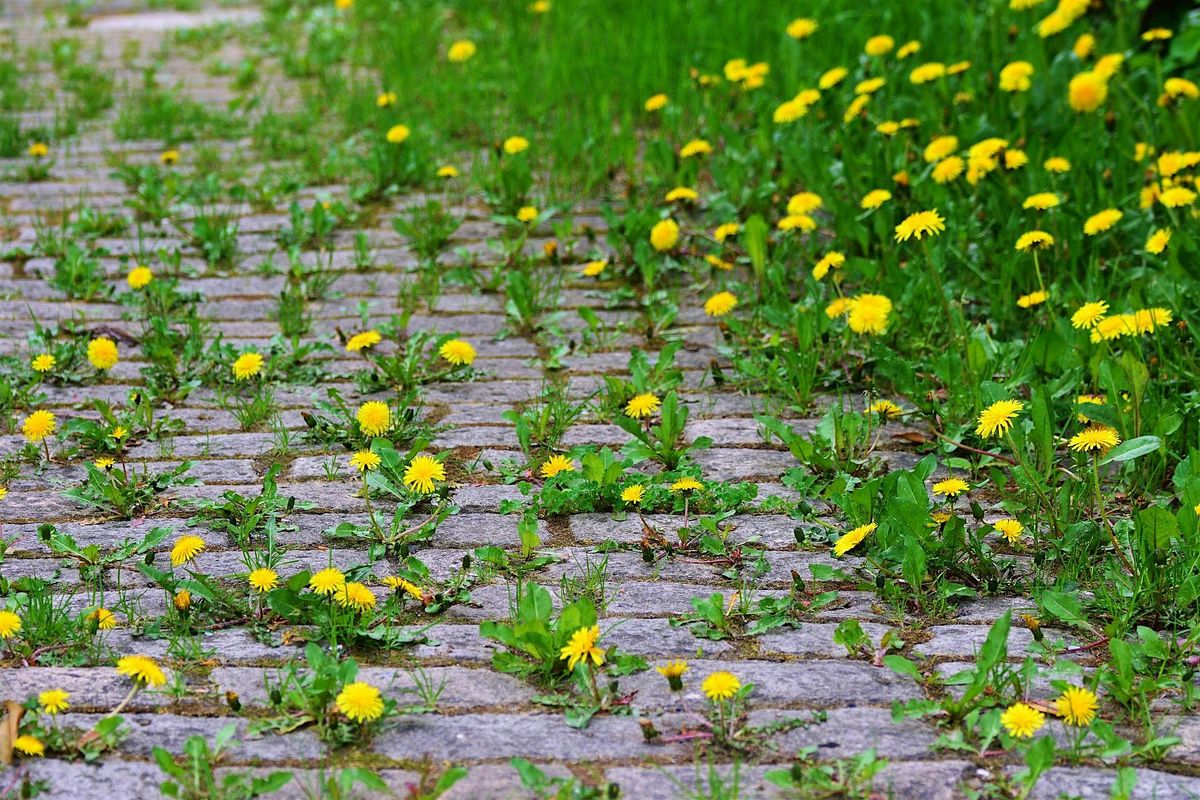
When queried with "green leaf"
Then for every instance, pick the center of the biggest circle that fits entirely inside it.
(1156, 527)
(1134, 448)
(902, 666)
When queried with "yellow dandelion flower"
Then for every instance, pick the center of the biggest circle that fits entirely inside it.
(363, 341)
(327, 581)
(10, 624)
(54, 701)
(141, 669)
(398, 134)
(1032, 299)
(664, 235)
(365, 461)
(458, 352)
(38, 425)
(643, 405)
(1089, 315)
(263, 580)
(1022, 721)
(1077, 706)
(43, 362)
(355, 595)
(951, 487)
(656, 102)
(633, 494)
(247, 365)
(696, 147)
(139, 277)
(998, 418)
(852, 539)
(555, 465)
(874, 199)
(374, 417)
(582, 646)
(920, 224)
(360, 702)
(721, 686)
(1096, 438)
(687, 484)
(422, 474)
(1010, 529)
(1158, 241)
(1034, 240)
(515, 144)
(29, 745)
(186, 548)
(720, 304)
(102, 352)
(461, 51)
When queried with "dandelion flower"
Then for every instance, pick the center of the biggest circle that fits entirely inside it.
(593, 268)
(725, 230)
(946, 170)
(1077, 706)
(886, 409)
(447, 171)
(879, 45)
(54, 701)
(1057, 164)
(656, 102)
(1177, 197)
(687, 484)
(102, 352)
(461, 51)
(1022, 721)
(1010, 529)
(263, 580)
(363, 341)
(374, 418)
(1041, 201)
(29, 745)
(139, 277)
(10, 624)
(920, 224)
(721, 685)
(801, 28)
(396, 583)
(1032, 299)
(355, 595)
(247, 366)
(422, 473)
(43, 362)
(1086, 92)
(38, 425)
(458, 352)
(398, 134)
(327, 581)
(1157, 242)
(874, 199)
(850, 540)
(1015, 77)
(951, 487)
(633, 494)
(556, 464)
(1089, 315)
(682, 193)
(832, 259)
(869, 313)
(527, 214)
(360, 702)
(664, 235)
(186, 548)
(582, 646)
(643, 405)
(1101, 221)
(939, 148)
(515, 144)
(998, 418)
(105, 620)
(1034, 240)
(1094, 439)
(696, 147)
(673, 672)
(141, 669)
(365, 461)
(720, 304)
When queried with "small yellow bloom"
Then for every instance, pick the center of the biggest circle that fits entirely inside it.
(721, 686)
(633, 494)
(43, 362)
(1010, 529)
(1022, 721)
(365, 461)
(186, 548)
(850, 540)
(720, 304)
(102, 353)
(695, 147)
(422, 473)
(656, 102)
(461, 51)
(664, 235)
(457, 352)
(398, 134)
(951, 487)
(582, 646)
(247, 365)
(263, 580)
(374, 418)
(54, 701)
(515, 144)
(10, 624)
(997, 418)
(141, 669)
(643, 405)
(1077, 706)
(360, 702)
(38, 425)
(556, 464)
(139, 277)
